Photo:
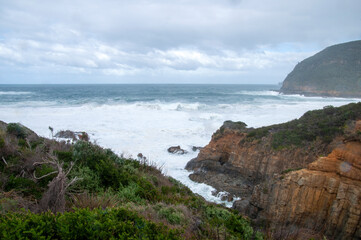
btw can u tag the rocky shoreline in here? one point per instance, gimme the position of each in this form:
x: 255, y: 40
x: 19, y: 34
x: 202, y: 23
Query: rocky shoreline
x: 302, y: 189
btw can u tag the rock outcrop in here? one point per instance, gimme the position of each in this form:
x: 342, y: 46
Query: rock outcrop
x: 300, y: 191
x: 335, y: 71
x: 176, y: 150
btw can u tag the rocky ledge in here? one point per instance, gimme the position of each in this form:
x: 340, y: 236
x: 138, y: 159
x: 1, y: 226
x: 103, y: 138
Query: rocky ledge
x: 292, y: 183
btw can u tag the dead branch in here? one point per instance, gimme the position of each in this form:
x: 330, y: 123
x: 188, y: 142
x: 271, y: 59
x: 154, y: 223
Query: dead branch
x: 27, y: 141
x: 54, y: 198
x: 71, y: 166
x: 4, y: 161
x: 75, y: 179
x: 45, y: 162
x: 48, y: 174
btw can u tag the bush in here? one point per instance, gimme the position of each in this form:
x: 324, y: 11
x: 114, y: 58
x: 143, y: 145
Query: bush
x: 130, y: 193
x: 258, y: 133
x: 170, y: 214
x: 89, y: 180
x: 235, y: 224
x: 42, y: 170
x: 82, y: 224
x: 2, y: 142
x: 17, y: 130
x: 65, y: 156
x: 322, y: 124
x: 23, y: 185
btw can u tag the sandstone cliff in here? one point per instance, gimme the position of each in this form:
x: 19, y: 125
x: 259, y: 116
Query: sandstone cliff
x: 295, y: 189
x: 335, y: 71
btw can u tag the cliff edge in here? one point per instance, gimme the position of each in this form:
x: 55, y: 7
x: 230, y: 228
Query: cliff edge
x: 299, y: 179
x: 335, y: 71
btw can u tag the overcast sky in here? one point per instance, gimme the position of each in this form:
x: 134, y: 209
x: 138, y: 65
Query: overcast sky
x: 162, y: 41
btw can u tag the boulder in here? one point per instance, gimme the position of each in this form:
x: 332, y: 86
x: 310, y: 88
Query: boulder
x: 177, y: 150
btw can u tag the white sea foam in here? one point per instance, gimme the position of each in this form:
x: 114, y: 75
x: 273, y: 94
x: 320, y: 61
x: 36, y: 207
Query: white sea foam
x: 152, y: 127
x: 259, y: 93
x: 14, y: 93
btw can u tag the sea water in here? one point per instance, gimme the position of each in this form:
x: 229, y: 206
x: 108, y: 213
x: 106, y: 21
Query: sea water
x: 148, y: 119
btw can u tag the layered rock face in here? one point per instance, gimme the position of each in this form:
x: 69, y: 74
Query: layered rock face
x: 325, y: 197
x: 300, y: 192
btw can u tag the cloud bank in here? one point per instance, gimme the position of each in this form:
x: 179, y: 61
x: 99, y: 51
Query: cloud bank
x: 167, y: 41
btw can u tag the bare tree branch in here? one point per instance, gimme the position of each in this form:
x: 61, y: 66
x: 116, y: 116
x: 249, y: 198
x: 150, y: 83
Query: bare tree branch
x: 71, y: 166
x: 27, y: 141
x: 4, y: 161
x: 48, y: 174
x: 45, y: 162
x: 75, y: 179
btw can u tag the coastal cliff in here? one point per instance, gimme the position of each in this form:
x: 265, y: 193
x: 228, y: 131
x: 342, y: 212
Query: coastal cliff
x: 335, y: 71
x: 300, y: 179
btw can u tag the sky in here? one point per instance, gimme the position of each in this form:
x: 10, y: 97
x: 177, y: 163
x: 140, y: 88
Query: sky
x: 162, y: 41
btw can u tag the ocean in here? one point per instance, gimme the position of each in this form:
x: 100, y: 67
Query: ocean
x: 148, y: 119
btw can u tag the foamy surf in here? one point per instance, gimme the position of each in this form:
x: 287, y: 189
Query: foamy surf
x: 151, y: 127
x: 14, y: 93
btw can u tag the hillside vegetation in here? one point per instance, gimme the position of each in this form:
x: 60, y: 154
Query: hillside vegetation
x: 322, y: 124
x: 57, y: 190
x: 335, y: 71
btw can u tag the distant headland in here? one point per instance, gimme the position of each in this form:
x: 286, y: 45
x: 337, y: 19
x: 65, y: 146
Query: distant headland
x: 333, y: 72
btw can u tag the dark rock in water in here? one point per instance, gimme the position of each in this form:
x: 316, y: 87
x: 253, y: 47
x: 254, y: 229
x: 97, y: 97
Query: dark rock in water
x: 225, y: 196
x: 194, y: 148
x: 177, y: 150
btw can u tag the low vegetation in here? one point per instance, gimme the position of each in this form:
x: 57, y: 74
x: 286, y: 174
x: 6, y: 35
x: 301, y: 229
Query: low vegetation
x: 321, y: 125
x: 58, y: 190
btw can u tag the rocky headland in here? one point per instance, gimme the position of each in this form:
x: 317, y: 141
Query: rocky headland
x: 300, y: 179
x: 335, y: 71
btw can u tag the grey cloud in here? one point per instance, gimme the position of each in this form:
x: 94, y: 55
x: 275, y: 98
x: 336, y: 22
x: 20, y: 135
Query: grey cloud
x: 138, y: 37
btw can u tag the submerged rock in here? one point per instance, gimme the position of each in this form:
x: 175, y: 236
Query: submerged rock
x: 194, y: 148
x: 177, y: 150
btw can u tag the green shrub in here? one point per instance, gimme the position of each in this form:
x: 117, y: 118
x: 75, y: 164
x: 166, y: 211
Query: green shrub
x: 17, y: 130
x: 65, y: 156
x: 240, y: 227
x: 216, y: 215
x: 233, y: 223
x: 172, y: 215
x: 258, y: 133
x: 322, y: 124
x: 83, y: 224
x: 130, y: 193
x: 89, y: 180
x: 23, y: 185
x: 2, y: 142
x: 42, y: 170
x: 22, y: 143
x: 146, y: 190
x: 7, y: 204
